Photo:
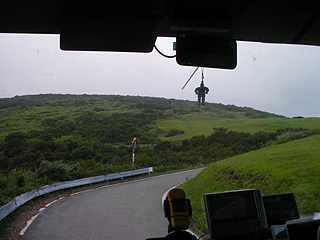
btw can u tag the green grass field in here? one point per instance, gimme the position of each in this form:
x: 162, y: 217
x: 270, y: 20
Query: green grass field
x: 290, y: 167
x: 202, y: 124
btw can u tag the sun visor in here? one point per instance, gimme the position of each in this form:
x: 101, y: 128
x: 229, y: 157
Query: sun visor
x: 101, y: 33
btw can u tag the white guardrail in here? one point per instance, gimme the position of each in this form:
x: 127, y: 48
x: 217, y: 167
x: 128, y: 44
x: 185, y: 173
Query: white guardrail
x: 25, y: 197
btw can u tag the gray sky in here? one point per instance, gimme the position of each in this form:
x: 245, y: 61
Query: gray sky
x: 281, y: 79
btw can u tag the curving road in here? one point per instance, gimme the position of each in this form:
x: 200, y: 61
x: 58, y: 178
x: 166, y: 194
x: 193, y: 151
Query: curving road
x: 130, y: 210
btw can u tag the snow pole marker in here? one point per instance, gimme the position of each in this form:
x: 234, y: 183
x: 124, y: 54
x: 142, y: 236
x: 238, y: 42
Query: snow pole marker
x: 132, y: 157
x: 135, y: 142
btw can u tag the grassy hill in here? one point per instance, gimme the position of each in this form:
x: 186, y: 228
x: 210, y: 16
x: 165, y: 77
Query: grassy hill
x: 203, y: 123
x: 154, y: 116
x: 51, y: 138
x: 289, y: 167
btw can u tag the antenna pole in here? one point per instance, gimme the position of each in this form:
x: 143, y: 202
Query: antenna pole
x: 190, y: 78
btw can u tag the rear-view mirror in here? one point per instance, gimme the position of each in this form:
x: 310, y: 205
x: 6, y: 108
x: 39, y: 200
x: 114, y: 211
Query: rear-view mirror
x: 206, y: 51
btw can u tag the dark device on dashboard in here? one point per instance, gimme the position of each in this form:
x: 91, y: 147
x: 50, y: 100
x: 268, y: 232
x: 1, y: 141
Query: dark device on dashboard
x: 280, y: 208
x: 279, y: 232
x: 235, y: 213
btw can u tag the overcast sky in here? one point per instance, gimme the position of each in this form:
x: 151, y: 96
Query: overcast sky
x: 281, y: 79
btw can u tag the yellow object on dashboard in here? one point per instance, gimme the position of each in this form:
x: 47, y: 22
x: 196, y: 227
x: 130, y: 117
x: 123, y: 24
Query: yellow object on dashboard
x: 178, y: 209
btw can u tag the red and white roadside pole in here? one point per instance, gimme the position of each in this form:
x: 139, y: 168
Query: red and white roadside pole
x: 132, y: 157
x: 135, y: 142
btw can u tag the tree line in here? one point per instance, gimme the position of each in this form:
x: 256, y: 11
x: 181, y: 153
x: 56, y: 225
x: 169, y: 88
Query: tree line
x: 67, y: 137
x: 33, y: 159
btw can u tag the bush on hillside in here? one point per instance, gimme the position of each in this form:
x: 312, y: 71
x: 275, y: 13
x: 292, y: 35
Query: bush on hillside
x: 290, y: 136
x: 174, y: 132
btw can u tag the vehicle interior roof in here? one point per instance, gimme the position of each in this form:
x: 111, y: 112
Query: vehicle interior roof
x: 269, y: 21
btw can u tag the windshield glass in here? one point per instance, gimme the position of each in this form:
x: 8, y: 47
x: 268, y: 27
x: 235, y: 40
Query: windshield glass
x: 66, y: 116
x: 281, y: 79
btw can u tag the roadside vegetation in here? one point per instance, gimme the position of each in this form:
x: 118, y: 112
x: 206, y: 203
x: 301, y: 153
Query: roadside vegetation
x: 283, y: 168
x: 51, y: 138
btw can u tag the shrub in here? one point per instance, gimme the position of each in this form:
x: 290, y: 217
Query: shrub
x: 54, y: 171
x: 174, y: 132
x: 289, y: 136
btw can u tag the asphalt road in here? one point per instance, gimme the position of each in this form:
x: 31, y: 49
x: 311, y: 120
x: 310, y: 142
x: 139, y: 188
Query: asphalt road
x: 130, y: 210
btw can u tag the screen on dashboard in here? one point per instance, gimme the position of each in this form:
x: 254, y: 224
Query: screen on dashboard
x: 233, y: 213
x: 232, y: 208
x: 280, y: 207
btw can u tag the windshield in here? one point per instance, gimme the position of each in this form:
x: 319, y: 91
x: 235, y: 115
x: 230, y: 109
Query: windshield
x: 281, y: 79
x: 71, y: 115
